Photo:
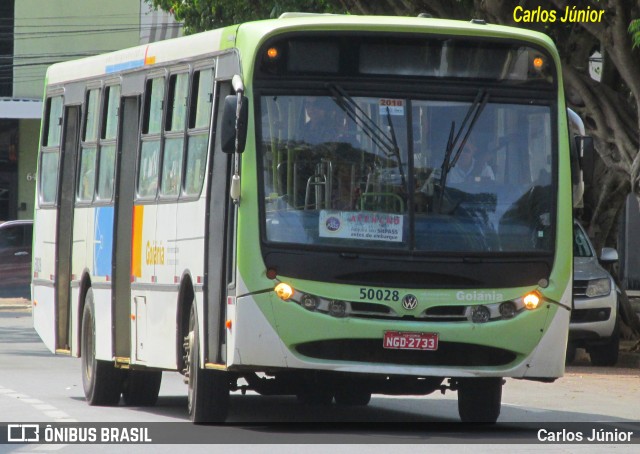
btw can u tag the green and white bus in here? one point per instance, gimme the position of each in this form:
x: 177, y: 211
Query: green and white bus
x: 323, y: 206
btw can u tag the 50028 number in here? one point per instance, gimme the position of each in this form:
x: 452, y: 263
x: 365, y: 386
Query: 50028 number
x: 380, y: 295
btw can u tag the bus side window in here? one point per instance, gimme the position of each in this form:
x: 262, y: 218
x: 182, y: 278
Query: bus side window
x: 48, y: 171
x: 148, y: 170
x: 53, y: 122
x: 198, y: 133
x: 107, y: 155
x: 87, y: 174
x: 174, y: 135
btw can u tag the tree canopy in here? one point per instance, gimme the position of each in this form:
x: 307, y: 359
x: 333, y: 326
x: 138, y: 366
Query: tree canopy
x: 201, y: 15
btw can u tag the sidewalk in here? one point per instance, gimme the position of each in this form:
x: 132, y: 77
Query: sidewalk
x: 14, y: 303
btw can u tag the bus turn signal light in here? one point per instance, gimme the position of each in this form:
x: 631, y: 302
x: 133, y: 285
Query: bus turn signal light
x: 273, y: 53
x: 538, y: 63
x: 531, y: 300
x: 284, y: 291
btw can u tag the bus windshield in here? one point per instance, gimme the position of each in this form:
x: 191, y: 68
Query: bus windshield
x: 388, y: 172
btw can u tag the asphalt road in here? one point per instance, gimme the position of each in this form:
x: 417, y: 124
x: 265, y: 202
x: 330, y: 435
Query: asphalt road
x: 36, y: 386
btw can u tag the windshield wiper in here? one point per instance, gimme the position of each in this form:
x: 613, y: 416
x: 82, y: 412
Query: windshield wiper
x: 389, y: 145
x: 474, y: 111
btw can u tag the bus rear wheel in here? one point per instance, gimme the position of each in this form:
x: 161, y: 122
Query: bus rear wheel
x: 101, y: 381
x: 479, y: 399
x: 141, y: 387
x: 208, y: 390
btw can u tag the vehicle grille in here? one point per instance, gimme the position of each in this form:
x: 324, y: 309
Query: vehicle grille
x: 590, y: 315
x: 372, y: 351
x: 432, y: 314
x: 580, y: 288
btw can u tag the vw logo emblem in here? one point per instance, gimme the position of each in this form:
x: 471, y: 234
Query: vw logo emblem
x: 409, y: 302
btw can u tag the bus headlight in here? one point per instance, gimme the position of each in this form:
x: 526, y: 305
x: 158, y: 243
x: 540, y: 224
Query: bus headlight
x: 503, y: 310
x: 598, y: 287
x: 508, y: 310
x: 309, y: 302
x: 337, y: 308
x: 480, y: 314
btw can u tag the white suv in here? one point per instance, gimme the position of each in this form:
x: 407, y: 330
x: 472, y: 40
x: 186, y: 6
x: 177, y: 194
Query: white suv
x: 594, y: 319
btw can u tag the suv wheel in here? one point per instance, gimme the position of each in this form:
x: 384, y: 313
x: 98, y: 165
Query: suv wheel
x: 606, y: 355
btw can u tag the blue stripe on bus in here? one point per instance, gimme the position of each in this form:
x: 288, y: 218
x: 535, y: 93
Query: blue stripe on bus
x: 103, y: 244
x: 124, y: 66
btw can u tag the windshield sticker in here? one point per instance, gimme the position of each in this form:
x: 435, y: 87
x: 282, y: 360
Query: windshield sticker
x: 392, y: 106
x: 361, y: 226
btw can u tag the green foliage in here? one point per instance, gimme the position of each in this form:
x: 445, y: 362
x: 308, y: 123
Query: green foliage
x: 200, y: 15
x: 634, y: 30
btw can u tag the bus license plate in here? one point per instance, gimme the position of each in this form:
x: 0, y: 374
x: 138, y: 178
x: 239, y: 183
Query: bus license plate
x: 410, y: 341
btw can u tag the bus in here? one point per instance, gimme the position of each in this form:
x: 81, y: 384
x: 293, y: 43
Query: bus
x: 321, y: 206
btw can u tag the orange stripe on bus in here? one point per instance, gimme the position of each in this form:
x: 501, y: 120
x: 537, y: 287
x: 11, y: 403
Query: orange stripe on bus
x: 136, y: 241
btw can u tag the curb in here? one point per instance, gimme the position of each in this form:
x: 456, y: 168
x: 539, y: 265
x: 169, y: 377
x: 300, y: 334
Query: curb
x: 14, y: 303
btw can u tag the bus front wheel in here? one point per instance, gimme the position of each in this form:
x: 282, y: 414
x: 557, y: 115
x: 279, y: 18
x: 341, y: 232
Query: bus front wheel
x: 101, y: 381
x: 208, y: 390
x: 479, y: 399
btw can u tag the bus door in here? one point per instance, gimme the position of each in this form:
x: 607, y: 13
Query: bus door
x: 64, y: 229
x: 219, y: 241
x: 123, y: 220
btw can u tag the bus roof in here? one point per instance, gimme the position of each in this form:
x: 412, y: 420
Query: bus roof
x: 187, y: 47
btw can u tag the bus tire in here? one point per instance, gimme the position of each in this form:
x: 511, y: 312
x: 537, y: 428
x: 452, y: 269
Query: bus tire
x: 208, y: 390
x: 101, y: 381
x: 571, y: 353
x: 479, y: 399
x: 141, y: 387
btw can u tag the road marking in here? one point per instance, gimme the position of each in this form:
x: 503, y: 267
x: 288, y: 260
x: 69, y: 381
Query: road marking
x: 48, y: 410
x: 33, y: 401
x: 40, y: 448
x: 44, y: 407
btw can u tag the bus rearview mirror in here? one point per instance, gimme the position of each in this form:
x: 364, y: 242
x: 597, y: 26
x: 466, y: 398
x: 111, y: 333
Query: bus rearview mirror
x: 228, y: 124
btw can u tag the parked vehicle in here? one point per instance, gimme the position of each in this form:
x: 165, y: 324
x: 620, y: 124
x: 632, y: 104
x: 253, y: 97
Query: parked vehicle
x: 594, y: 319
x: 15, y: 258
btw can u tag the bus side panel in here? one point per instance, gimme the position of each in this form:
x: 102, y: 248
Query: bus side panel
x: 78, y: 265
x: 144, y: 255
x: 154, y: 295
x: 548, y: 359
x: 80, y: 244
x: 143, y: 272
x: 44, y: 260
x: 102, y: 302
x: 252, y: 339
x: 165, y: 244
x: 155, y: 328
x: 44, y: 314
x: 75, y: 320
x: 189, y: 254
x: 190, y: 245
